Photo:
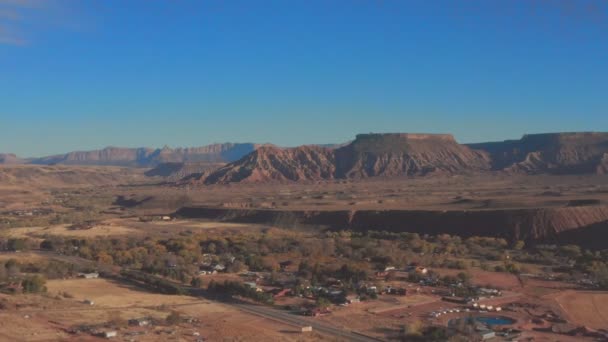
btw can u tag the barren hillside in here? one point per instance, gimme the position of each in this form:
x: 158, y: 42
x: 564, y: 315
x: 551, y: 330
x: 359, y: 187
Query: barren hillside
x: 275, y: 164
x: 555, y: 153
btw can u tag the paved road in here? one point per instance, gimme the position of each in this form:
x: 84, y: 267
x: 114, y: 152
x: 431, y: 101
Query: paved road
x: 258, y: 310
x: 285, y: 317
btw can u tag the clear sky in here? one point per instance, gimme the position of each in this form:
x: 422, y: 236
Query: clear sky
x: 78, y: 75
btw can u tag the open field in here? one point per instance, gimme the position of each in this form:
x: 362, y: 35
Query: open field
x: 48, y: 318
x: 64, y: 230
x: 585, y: 308
x: 114, y: 295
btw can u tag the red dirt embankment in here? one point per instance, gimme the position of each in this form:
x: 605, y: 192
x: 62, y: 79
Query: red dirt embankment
x: 585, y: 225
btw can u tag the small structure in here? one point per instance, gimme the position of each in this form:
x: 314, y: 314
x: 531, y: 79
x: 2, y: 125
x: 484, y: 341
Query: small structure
x: 353, y: 299
x: 307, y: 328
x: 421, y: 270
x: 486, y: 334
x: 166, y: 218
x: 253, y: 285
x: 318, y: 312
x: 280, y: 293
x: 140, y: 322
x: 396, y: 291
x: 219, y: 267
x: 109, y: 334
x: 91, y: 275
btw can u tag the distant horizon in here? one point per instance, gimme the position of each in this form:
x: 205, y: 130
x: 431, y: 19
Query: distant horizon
x: 283, y: 146
x: 80, y: 75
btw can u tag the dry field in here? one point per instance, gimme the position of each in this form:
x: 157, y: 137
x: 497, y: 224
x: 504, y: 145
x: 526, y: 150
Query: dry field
x: 63, y: 230
x: 503, y: 280
x: 46, y: 318
x: 107, y: 293
x: 21, y: 257
x: 585, y: 308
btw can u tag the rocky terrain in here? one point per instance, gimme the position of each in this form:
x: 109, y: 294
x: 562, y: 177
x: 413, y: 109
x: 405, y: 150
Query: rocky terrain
x: 369, y: 155
x: 393, y: 155
x: 553, y: 153
x: 271, y: 163
x: 390, y: 155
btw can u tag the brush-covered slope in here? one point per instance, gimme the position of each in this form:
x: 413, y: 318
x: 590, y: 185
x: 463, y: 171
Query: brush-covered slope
x: 553, y: 153
x: 269, y: 163
x: 390, y: 155
x: 148, y: 157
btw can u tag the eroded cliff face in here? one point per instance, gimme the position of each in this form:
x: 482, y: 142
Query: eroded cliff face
x: 270, y: 163
x: 369, y: 155
x: 554, y: 225
x: 553, y: 153
x: 389, y: 155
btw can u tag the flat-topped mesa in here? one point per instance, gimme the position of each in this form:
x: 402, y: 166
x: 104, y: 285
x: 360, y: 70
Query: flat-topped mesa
x: 556, y: 153
x: 407, y: 136
x: 575, y: 138
x: 406, y: 154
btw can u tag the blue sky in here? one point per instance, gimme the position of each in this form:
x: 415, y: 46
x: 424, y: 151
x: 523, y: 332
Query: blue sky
x: 88, y: 74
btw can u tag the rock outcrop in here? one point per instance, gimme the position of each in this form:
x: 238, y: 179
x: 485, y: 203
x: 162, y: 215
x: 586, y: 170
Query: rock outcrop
x: 389, y: 155
x: 271, y: 163
x: 552, y: 153
x: 369, y: 155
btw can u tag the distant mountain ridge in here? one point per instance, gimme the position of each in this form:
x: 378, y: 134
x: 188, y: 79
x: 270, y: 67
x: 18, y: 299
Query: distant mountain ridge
x: 9, y: 158
x: 149, y: 157
x: 368, y: 155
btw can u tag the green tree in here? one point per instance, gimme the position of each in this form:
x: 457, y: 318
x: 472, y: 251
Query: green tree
x: 34, y: 284
x: 196, y: 282
x: 322, y: 303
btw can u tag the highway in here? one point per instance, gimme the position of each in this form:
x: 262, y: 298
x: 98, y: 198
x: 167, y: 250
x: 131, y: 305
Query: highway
x: 290, y: 319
